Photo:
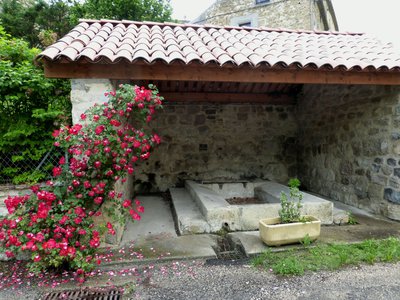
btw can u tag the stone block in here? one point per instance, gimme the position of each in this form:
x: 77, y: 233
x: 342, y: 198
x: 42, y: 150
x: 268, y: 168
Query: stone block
x: 217, y: 212
x: 393, y: 211
x: 346, y: 168
x: 375, y: 190
x: 394, y: 182
x: 250, y: 215
x: 396, y: 147
x: 340, y: 216
x: 189, y: 218
x: 379, y: 179
x: 361, y: 186
x: 395, y: 136
x: 387, y: 170
x: 392, y: 195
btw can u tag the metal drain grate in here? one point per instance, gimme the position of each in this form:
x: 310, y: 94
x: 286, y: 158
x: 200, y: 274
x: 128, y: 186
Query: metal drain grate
x: 85, y: 294
x: 226, y: 249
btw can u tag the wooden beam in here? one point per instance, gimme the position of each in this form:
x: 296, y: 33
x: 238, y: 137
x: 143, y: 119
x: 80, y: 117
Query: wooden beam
x: 179, y: 72
x: 279, y: 99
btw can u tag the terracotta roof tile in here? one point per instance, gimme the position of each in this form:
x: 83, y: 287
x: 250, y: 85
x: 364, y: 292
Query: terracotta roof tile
x: 89, y: 53
x: 112, y: 41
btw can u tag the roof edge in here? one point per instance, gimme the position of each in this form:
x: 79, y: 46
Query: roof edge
x: 208, y: 26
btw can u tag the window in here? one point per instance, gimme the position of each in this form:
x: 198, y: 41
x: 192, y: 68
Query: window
x: 262, y: 1
x: 247, y: 24
x: 249, y: 21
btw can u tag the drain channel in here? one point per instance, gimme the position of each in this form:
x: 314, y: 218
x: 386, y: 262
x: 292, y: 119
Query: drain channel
x: 85, y: 294
x: 226, y: 249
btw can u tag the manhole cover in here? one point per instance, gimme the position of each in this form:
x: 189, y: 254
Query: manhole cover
x: 85, y: 294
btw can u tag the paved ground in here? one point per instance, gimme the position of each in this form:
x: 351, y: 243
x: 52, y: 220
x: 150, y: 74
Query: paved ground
x: 157, y: 230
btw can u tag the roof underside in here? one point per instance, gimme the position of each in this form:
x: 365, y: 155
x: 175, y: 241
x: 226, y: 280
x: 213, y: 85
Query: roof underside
x: 121, y: 49
x: 238, y: 92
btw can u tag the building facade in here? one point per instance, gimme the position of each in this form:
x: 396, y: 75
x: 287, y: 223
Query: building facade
x: 294, y: 14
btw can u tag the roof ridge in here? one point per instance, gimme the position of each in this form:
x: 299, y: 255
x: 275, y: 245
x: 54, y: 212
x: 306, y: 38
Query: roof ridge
x: 209, y: 26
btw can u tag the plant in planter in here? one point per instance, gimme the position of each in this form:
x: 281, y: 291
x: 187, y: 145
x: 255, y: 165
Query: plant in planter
x: 290, y: 227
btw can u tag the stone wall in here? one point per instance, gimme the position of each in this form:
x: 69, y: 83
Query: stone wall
x: 87, y: 92
x: 295, y: 14
x: 350, y: 145
x: 208, y: 141
x: 221, y: 142
x: 11, y: 190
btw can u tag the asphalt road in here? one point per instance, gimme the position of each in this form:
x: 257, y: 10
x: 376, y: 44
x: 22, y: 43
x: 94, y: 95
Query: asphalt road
x: 381, y: 281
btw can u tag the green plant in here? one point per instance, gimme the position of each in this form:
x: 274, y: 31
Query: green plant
x: 352, y: 219
x: 288, y: 266
x: 290, y: 207
x: 306, y: 241
x: 329, y: 257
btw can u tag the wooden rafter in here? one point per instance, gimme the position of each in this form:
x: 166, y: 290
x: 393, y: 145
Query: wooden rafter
x: 229, y: 98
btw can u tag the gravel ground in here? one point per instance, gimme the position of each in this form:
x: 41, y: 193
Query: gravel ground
x: 242, y: 282
x: 199, y: 280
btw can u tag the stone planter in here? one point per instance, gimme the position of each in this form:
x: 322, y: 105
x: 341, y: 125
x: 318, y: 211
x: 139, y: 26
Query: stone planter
x: 273, y: 233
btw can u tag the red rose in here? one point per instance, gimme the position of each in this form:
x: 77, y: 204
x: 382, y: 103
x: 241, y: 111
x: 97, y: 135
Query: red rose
x: 127, y: 203
x: 99, y: 129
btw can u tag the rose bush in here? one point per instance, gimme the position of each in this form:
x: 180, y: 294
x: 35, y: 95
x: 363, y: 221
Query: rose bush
x: 56, y: 223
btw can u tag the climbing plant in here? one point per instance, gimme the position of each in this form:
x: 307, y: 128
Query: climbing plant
x: 56, y: 223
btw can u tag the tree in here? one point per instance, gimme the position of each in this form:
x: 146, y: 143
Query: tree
x: 135, y: 10
x: 36, y: 20
x: 31, y: 106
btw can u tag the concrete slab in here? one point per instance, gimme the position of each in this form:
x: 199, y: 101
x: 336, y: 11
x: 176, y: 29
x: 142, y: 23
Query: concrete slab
x: 312, y: 205
x: 189, y: 218
x: 156, y: 220
x: 250, y: 240
x: 193, y: 246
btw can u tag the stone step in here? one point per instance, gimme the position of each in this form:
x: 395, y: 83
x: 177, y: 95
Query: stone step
x: 189, y: 217
x: 270, y: 192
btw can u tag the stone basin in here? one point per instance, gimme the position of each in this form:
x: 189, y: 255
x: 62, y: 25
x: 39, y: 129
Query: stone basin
x: 218, y: 213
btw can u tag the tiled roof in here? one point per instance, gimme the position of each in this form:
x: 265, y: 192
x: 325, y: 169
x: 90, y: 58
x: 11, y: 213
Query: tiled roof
x: 109, y: 41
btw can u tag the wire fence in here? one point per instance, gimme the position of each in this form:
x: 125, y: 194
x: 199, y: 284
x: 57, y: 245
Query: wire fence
x: 17, y: 170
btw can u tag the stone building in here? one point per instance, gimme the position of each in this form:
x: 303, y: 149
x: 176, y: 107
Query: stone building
x: 295, y: 14
x: 245, y: 103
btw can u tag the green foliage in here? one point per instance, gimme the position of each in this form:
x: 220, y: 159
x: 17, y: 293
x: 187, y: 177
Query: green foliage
x: 31, y: 104
x: 290, y: 207
x: 37, y: 20
x: 137, y: 10
x: 329, y: 257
